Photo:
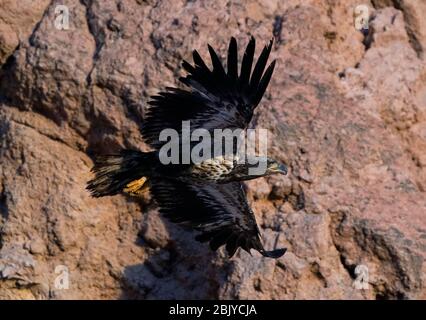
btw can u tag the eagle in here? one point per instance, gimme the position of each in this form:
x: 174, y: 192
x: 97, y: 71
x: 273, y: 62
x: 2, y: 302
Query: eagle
x: 208, y: 196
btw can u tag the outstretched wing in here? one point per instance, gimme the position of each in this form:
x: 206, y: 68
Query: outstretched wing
x: 216, y: 99
x: 219, y: 211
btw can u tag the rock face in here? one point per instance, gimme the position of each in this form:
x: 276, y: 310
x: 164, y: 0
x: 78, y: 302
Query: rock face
x: 345, y: 111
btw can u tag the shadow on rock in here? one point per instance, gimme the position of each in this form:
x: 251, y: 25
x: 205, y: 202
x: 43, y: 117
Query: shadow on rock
x: 176, y: 267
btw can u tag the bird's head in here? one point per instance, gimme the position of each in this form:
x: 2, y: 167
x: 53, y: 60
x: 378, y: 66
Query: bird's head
x: 273, y: 166
x: 263, y: 166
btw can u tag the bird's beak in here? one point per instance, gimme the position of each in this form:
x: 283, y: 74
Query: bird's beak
x: 279, y: 168
x: 282, y: 169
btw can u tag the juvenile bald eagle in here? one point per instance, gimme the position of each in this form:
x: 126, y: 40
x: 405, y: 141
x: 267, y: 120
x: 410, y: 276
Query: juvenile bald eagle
x: 208, y: 196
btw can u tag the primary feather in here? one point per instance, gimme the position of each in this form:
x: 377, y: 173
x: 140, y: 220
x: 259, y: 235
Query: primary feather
x: 215, y: 99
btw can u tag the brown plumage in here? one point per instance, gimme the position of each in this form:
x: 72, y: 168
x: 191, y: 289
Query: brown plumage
x: 209, y: 195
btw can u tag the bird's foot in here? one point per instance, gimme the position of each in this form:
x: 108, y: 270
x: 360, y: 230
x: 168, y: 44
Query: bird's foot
x: 137, y: 187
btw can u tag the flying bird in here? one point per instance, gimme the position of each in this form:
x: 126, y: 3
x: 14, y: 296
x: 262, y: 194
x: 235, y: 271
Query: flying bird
x: 207, y: 195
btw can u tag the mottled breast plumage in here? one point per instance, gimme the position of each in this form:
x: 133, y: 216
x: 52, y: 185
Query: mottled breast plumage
x: 215, y: 169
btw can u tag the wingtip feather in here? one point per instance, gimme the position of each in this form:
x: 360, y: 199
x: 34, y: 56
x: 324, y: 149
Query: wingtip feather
x: 233, y: 59
x: 274, y: 254
x: 217, y: 65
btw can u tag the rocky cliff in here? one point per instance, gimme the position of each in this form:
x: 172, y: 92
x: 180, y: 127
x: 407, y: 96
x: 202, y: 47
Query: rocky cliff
x: 345, y: 110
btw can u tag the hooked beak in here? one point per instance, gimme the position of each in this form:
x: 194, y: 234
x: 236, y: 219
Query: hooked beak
x: 279, y: 168
x: 282, y: 169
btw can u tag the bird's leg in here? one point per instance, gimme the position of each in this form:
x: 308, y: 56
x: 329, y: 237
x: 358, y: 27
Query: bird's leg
x: 137, y: 187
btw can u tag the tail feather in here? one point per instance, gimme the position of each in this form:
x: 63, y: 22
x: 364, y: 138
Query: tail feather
x: 114, y: 172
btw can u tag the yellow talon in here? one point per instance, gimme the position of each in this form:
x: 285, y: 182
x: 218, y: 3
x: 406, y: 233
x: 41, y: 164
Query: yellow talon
x: 136, y: 187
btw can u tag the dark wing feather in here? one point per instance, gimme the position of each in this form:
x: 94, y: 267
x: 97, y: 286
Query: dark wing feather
x: 264, y: 83
x: 219, y: 211
x: 260, y: 67
x: 216, y: 99
x: 199, y: 61
x: 233, y: 60
x: 247, y: 63
x: 217, y: 65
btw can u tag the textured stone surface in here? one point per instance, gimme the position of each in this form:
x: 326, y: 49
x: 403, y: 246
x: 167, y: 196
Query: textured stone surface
x: 18, y: 20
x: 346, y: 112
